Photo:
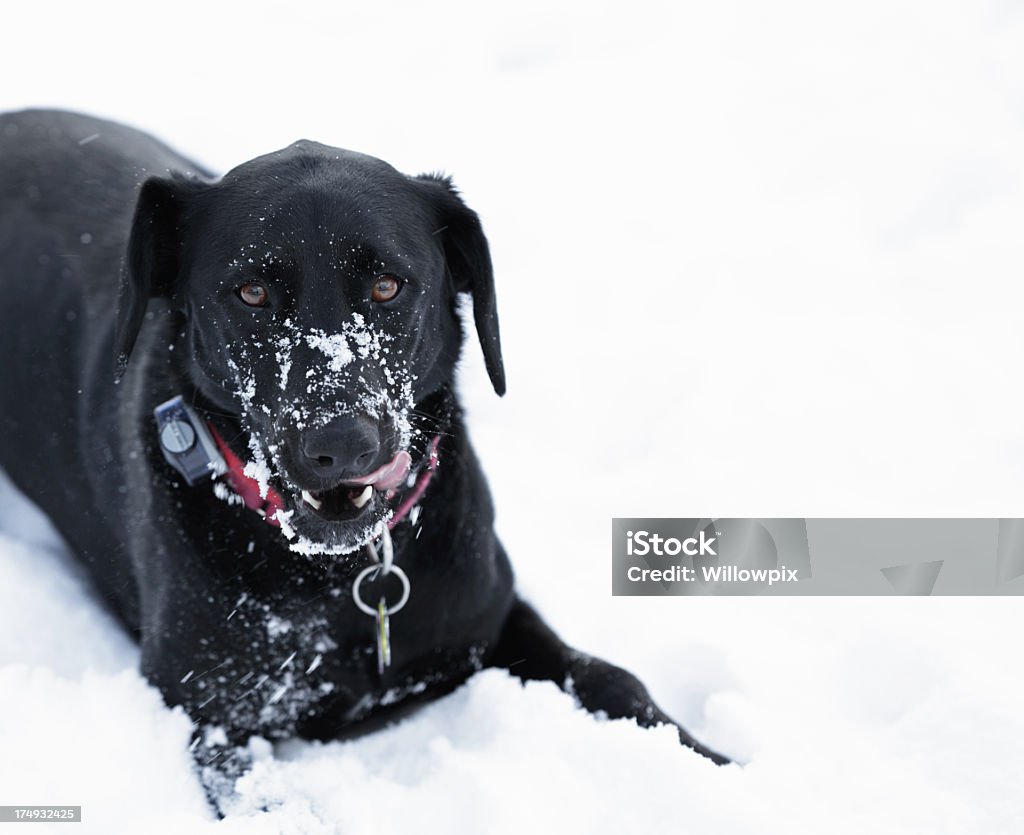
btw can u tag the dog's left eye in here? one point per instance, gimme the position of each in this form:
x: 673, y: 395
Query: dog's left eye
x: 254, y: 294
x: 385, y: 288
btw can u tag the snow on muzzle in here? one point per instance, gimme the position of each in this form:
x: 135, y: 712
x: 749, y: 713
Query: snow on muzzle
x: 342, y: 453
x: 339, y: 405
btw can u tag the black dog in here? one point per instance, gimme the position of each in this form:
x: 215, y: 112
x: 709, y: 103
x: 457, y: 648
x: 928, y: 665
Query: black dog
x: 304, y: 309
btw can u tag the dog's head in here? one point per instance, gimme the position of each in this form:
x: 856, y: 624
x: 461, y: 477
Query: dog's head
x: 319, y: 293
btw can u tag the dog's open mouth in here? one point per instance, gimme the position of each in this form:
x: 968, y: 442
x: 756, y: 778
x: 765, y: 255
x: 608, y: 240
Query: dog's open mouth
x: 349, y: 499
x: 339, y: 504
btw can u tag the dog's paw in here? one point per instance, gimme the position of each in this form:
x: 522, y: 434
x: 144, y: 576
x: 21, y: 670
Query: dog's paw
x: 603, y: 688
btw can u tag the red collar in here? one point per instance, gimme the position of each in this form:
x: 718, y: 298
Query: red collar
x: 269, y: 506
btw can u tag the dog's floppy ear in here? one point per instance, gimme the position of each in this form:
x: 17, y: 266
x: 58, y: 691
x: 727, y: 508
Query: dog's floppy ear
x: 151, y: 262
x: 469, y: 262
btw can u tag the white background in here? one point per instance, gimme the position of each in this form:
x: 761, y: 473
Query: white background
x: 752, y: 260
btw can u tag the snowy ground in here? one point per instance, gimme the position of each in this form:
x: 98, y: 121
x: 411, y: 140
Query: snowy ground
x: 752, y: 260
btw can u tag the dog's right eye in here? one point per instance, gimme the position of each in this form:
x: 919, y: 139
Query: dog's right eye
x: 254, y: 294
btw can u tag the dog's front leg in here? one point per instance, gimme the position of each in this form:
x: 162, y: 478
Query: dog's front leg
x: 529, y: 649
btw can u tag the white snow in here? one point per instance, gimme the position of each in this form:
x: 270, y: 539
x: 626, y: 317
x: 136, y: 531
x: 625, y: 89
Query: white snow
x: 334, y: 346
x: 752, y: 260
x: 223, y: 492
x: 258, y: 470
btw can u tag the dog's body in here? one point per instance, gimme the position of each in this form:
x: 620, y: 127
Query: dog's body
x: 112, y: 245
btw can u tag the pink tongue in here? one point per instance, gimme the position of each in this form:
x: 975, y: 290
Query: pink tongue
x: 390, y: 475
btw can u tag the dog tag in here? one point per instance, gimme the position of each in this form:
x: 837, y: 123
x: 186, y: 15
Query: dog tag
x: 382, y: 612
x: 383, y: 637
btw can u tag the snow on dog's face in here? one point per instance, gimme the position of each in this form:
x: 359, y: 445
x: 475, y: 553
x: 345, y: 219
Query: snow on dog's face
x: 335, y: 435
x: 318, y: 289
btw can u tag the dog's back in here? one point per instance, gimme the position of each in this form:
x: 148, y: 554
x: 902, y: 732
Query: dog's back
x: 67, y: 189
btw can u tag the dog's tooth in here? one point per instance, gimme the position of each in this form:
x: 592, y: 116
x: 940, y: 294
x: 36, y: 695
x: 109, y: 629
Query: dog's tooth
x: 363, y: 497
x: 307, y: 497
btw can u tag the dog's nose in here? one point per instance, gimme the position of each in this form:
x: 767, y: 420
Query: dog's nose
x: 347, y: 447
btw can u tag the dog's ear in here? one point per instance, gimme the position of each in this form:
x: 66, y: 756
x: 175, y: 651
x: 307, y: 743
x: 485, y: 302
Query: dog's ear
x: 469, y: 262
x: 151, y: 262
